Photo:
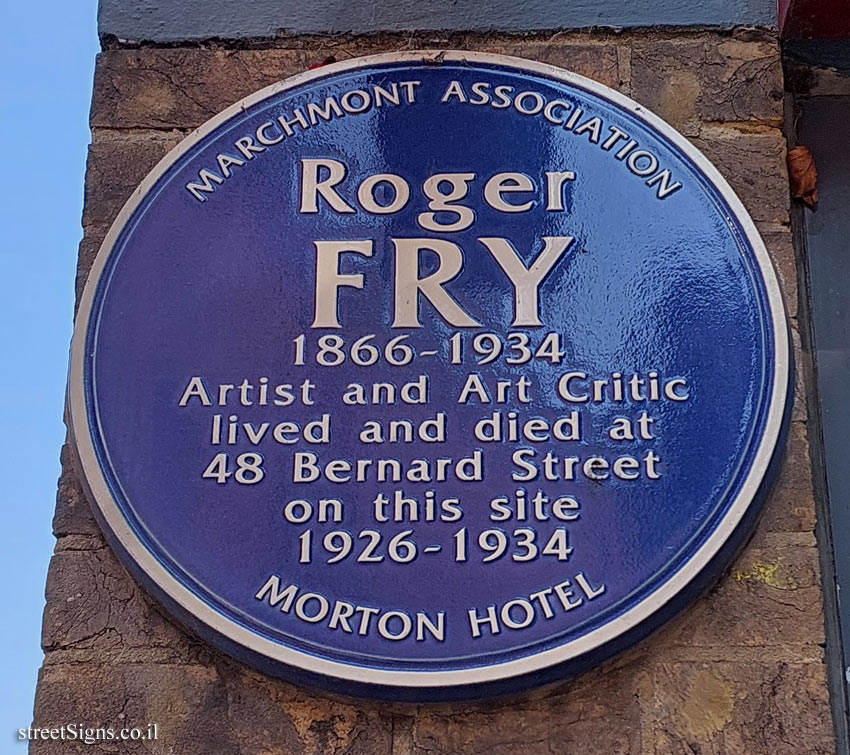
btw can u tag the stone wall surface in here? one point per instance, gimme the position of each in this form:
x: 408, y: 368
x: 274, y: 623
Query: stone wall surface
x: 740, y: 672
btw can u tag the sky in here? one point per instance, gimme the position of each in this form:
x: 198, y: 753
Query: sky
x: 46, y: 69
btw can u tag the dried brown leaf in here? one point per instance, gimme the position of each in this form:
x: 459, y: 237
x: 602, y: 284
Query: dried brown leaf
x: 803, y: 176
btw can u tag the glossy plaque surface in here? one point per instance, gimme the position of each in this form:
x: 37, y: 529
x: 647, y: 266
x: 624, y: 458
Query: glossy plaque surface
x: 430, y: 375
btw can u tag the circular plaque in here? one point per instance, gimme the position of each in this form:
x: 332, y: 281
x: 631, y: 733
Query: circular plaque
x: 430, y: 375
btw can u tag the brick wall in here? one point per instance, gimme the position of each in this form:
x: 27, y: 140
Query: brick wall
x: 740, y: 672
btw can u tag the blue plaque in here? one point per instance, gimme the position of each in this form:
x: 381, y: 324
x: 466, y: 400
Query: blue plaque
x: 430, y: 375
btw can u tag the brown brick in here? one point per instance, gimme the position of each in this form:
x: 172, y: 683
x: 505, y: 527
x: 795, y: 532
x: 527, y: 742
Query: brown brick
x: 598, y: 715
x: 189, y: 703
x: 93, y: 604
x: 117, y: 163
x: 770, y: 597
x: 204, y: 709
x: 752, y: 708
x: 182, y: 88
x: 708, y: 78
x: 791, y: 504
x: 73, y: 515
x: 754, y: 165
x: 595, y: 61
x: 781, y: 250
x: 268, y: 716
x: 89, y: 247
x: 800, y: 411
